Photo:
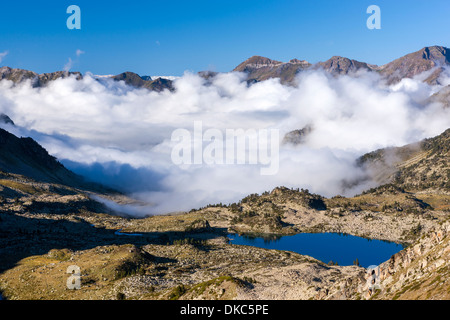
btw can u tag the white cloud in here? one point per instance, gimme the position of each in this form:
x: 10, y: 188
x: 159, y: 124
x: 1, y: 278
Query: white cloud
x: 121, y: 136
x: 70, y: 63
x: 3, y: 55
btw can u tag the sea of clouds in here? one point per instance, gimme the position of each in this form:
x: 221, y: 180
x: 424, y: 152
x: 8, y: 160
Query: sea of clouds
x: 121, y: 136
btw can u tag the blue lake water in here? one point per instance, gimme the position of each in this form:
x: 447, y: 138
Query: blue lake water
x: 326, y: 247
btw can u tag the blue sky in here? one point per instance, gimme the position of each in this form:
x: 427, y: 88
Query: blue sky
x: 169, y: 37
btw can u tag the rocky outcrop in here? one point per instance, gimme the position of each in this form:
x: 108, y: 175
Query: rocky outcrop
x: 297, y: 137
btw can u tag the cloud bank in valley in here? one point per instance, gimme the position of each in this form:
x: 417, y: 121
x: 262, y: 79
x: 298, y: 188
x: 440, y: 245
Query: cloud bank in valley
x: 120, y: 136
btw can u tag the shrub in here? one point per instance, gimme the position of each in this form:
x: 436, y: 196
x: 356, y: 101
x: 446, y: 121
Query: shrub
x: 177, y: 292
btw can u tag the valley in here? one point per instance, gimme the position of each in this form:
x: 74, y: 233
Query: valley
x: 46, y: 227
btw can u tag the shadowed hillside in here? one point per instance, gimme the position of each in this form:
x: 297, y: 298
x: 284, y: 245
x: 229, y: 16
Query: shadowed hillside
x: 415, y: 167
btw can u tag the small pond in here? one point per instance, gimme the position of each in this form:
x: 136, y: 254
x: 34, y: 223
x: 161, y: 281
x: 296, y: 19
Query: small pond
x: 326, y: 247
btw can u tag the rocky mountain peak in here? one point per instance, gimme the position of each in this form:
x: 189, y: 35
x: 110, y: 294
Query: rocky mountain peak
x: 260, y: 68
x: 437, y: 54
x: 413, y: 64
x: 297, y: 61
x: 338, y: 65
x: 146, y: 78
x: 133, y: 79
x: 257, y: 62
x: 5, y: 119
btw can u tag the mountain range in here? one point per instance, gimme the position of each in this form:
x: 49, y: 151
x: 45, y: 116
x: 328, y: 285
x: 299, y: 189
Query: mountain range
x: 260, y: 68
x: 37, y: 80
x: 431, y: 59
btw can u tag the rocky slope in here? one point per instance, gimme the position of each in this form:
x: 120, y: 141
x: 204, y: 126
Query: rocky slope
x: 26, y: 157
x: 442, y: 97
x: 420, y: 272
x: 418, y: 167
x: 413, y: 64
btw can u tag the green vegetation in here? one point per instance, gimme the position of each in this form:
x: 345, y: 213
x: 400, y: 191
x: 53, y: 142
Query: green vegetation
x: 177, y: 292
x: 61, y: 255
x: 136, y: 263
x: 23, y: 187
x: 190, y: 241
